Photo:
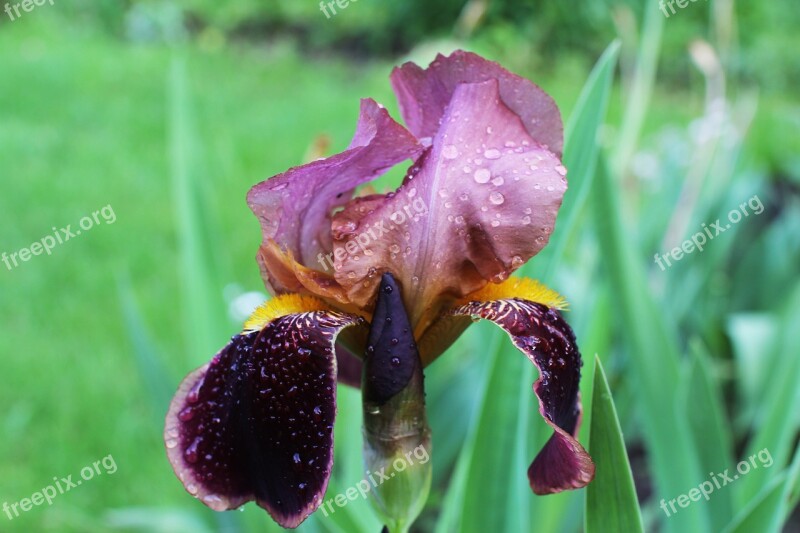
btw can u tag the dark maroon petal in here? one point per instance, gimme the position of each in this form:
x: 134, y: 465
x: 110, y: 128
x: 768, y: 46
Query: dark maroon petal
x: 543, y: 335
x: 349, y: 367
x: 478, y: 204
x: 257, y: 422
x: 295, y: 207
x: 424, y: 94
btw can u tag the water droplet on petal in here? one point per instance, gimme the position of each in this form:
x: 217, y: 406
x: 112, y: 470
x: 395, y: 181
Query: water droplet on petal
x: 561, y: 170
x: 495, y: 223
x: 498, y: 181
x: 482, y: 175
x: 191, y: 452
x: 496, y: 198
x: 214, y: 501
x: 492, y: 154
x: 449, y: 152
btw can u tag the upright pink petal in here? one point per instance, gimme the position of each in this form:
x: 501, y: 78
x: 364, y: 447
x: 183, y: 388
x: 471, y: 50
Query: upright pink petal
x: 477, y: 205
x: 424, y: 95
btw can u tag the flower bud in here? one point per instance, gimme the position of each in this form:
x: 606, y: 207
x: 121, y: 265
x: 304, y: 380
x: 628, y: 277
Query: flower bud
x: 396, y: 434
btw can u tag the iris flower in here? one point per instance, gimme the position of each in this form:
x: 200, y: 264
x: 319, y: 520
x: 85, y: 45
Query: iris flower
x: 370, y: 289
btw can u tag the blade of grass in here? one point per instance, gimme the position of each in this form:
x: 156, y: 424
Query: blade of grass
x: 155, y: 377
x: 641, y: 87
x: 205, y: 322
x: 611, y: 503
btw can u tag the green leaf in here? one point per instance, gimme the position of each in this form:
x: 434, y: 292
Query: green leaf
x: 496, y: 453
x: 778, y: 421
x: 703, y: 408
x: 611, y: 503
x: 771, y: 507
x: 655, y: 359
x: 206, y: 325
x: 580, y: 155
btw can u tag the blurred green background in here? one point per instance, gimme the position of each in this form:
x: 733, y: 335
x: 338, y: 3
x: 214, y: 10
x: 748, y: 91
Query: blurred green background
x: 170, y: 112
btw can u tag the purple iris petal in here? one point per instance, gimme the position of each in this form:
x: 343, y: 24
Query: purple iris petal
x: 295, y: 207
x: 424, y: 95
x: 478, y: 204
x: 547, y: 340
x: 257, y: 422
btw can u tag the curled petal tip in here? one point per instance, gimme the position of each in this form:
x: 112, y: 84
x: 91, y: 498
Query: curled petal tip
x: 542, y: 334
